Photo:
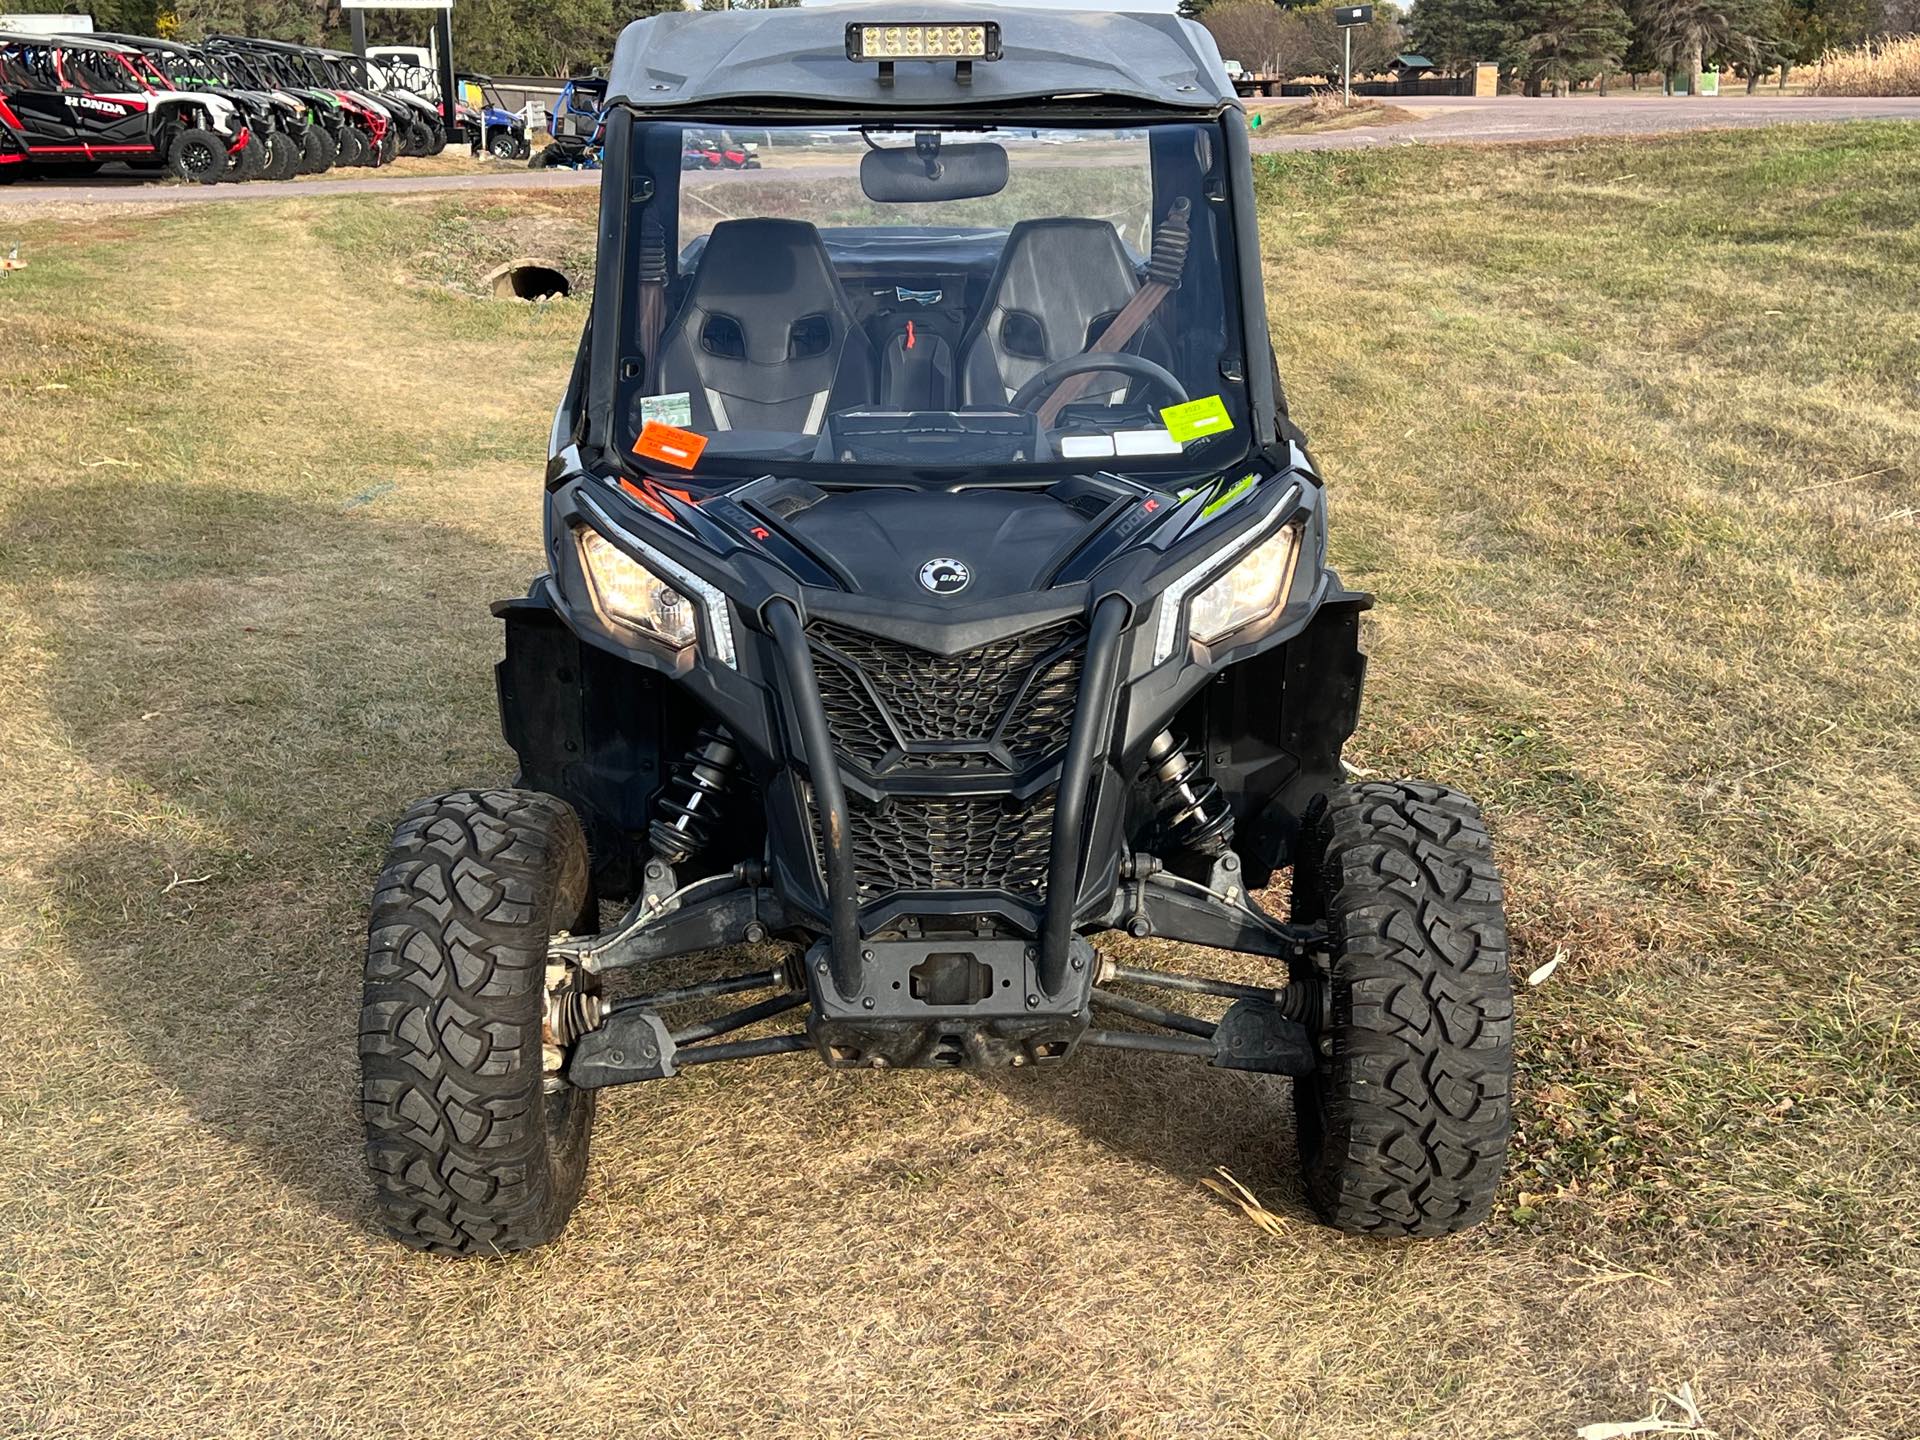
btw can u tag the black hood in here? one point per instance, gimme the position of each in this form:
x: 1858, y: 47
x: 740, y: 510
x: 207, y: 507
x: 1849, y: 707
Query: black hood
x: 879, y: 541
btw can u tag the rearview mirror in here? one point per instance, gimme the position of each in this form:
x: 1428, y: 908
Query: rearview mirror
x: 932, y: 171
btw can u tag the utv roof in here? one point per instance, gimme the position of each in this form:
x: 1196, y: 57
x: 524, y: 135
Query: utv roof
x: 248, y: 42
x: 142, y: 43
x: 796, y: 59
x: 57, y: 41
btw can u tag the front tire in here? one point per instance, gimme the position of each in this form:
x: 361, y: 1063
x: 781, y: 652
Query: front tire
x: 470, y: 1153
x: 197, y: 155
x: 283, y: 156
x: 1403, y: 1128
x: 251, y: 161
x: 317, y: 150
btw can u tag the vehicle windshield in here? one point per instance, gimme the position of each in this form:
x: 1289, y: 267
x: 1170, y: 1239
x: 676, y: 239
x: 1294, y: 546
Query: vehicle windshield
x: 928, y: 302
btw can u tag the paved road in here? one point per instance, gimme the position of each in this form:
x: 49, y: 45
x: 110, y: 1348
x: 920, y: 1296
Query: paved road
x: 1457, y: 119
x: 1443, y: 120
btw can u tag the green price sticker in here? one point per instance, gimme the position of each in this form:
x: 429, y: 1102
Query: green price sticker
x: 1196, y: 418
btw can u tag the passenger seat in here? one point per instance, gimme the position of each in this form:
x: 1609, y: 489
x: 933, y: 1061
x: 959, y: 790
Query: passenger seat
x: 765, y: 339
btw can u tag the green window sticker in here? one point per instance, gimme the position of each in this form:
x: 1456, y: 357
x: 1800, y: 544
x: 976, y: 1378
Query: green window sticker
x: 1196, y: 418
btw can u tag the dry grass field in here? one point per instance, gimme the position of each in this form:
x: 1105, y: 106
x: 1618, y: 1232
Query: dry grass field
x: 1890, y: 66
x: 1625, y: 436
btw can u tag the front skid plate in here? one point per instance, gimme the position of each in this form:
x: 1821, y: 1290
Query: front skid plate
x: 956, y: 1041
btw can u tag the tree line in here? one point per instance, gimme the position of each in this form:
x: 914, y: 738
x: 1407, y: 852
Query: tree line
x: 1553, y: 45
x: 1538, y: 44
x: 504, y: 37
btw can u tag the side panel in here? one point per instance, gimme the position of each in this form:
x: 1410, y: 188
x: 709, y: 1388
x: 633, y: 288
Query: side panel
x: 589, y: 728
x: 1274, y: 727
x: 44, y: 117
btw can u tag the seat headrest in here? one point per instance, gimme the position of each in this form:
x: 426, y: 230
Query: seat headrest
x: 765, y: 280
x: 1062, y: 273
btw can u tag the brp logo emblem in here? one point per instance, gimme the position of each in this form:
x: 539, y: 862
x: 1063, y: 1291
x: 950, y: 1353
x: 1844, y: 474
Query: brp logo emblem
x: 945, y: 576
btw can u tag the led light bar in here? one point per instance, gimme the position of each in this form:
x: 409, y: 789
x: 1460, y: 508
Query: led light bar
x: 923, y: 42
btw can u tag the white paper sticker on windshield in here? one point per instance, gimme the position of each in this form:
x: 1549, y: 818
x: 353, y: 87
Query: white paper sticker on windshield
x: 1086, y: 447
x: 1144, y: 442
x: 674, y: 409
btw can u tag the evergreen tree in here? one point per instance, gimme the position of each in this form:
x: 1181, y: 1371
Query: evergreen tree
x: 1458, y: 34
x: 1566, y: 41
x: 1640, y: 57
x: 1685, y: 33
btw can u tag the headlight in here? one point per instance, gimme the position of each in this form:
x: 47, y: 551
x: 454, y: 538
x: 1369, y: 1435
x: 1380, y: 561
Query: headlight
x: 1249, y: 591
x: 1253, y: 588
x: 627, y: 593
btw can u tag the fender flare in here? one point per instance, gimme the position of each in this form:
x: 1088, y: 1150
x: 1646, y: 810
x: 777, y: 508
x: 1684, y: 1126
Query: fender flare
x: 171, y: 107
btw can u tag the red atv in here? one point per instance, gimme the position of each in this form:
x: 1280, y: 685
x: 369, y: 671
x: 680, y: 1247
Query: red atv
x: 705, y: 151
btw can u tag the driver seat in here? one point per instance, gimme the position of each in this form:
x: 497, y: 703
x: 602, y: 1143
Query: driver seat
x: 765, y: 339
x: 1058, y: 284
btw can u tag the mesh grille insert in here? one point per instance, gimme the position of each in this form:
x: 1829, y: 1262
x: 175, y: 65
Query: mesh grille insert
x: 926, y: 843
x: 881, y: 695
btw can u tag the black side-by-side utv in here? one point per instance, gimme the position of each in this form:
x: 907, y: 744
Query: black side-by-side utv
x: 934, y: 583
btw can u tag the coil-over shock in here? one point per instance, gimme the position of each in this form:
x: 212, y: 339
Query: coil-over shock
x: 691, y: 801
x: 1193, y: 812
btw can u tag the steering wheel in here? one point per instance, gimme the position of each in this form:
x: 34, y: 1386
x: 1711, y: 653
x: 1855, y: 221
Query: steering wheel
x: 1117, y: 362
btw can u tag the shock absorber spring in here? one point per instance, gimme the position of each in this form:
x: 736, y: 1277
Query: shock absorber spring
x: 1196, y: 815
x: 692, y: 797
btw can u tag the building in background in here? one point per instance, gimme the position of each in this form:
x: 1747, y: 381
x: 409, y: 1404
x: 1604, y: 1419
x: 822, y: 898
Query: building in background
x: 46, y: 24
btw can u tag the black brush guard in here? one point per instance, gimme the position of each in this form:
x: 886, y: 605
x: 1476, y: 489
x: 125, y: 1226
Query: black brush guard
x: 954, y: 998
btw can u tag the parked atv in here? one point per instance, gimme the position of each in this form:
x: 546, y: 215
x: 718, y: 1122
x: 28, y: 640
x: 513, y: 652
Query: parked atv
x: 348, y: 75
x: 705, y: 150
x: 423, y: 85
x: 418, y: 130
x: 935, y: 587
x: 575, y: 126
x: 331, y: 137
x: 320, y: 111
x: 277, y: 121
x: 370, y: 136
x: 74, y: 104
x: 505, y: 132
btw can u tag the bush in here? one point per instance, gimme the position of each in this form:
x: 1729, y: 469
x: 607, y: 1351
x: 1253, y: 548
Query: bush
x: 1879, y: 67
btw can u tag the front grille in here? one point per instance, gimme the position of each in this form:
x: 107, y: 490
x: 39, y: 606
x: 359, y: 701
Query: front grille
x: 889, y: 704
x: 929, y: 843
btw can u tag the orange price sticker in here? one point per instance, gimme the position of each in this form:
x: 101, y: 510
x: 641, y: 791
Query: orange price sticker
x: 669, y: 444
